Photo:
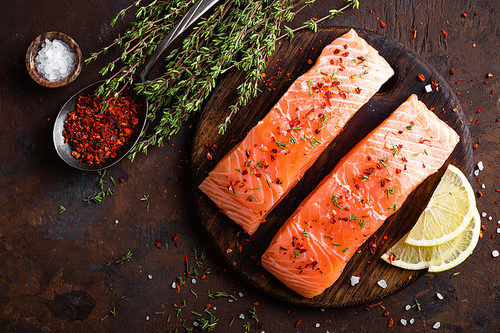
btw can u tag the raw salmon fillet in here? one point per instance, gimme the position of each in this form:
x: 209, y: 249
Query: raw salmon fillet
x: 368, y: 185
x: 255, y: 175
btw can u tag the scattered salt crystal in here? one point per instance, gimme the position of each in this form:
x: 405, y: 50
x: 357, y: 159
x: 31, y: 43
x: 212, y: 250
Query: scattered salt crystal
x: 150, y: 276
x: 196, y: 323
x: 230, y: 300
x: 55, y: 60
x: 476, y: 173
x: 147, y: 317
x: 490, y: 218
x: 323, y: 310
x: 498, y: 222
x: 403, y: 322
x: 214, y: 308
x: 174, y: 285
x: 495, y: 253
x: 317, y: 324
x: 116, y: 221
x: 438, y: 295
x: 483, y: 214
x: 408, y: 307
x: 193, y: 280
x: 382, y: 283
x: 483, y: 186
x: 354, y: 280
x: 498, y: 230
x: 242, y: 316
x: 480, y: 165
x: 436, y: 325
x: 240, y: 294
x: 412, y: 321
x: 428, y: 88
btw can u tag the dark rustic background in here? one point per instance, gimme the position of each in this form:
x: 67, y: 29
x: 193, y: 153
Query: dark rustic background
x: 56, y: 270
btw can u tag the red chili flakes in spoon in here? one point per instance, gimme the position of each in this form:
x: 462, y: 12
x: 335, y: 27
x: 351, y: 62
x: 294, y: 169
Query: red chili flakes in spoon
x: 94, y: 136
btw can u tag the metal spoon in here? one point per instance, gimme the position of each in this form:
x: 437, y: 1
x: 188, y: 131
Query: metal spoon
x: 64, y: 149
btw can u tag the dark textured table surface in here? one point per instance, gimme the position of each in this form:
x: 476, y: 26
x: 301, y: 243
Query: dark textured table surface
x: 57, y: 271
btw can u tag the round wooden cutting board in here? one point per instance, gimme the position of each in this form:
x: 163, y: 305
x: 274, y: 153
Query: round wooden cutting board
x: 242, y: 252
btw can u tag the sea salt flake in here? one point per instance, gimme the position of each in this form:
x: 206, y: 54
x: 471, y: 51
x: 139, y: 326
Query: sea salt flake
x: 230, y: 300
x: 408, y: 307
x: 317, y: 324
x: 242, y: 316
x: 436, y: 325
x: 196, y: 323
x: 498, y: 230
x: 412, y: 321
x: 438, y: 295
x: 55, y: 60
x: 476, y: 173
x: 354, y: 280
x: 490, y: 218
x: 193, y: 280
x: 483, y: 214
x: 147, y: 317
x: 174, y: 285
x: 495, y: 253
x: 323, y: 310
x: 382, y: 283
x: 483, y: 186
x: 403, y: 322
x: 150, y: 276
x: 480, y: 165
x: 428, y: 88
x: 116, y: 221
x: 240, y: 294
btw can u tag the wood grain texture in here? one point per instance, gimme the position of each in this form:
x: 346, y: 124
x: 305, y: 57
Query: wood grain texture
x: 290, y: 60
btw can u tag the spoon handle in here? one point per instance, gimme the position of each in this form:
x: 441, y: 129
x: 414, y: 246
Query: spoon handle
x: 194, y: 13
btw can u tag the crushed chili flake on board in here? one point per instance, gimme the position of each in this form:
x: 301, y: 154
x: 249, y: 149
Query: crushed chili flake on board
x: 413, y: 33
x: 94, y: 136
x: 158, y: 243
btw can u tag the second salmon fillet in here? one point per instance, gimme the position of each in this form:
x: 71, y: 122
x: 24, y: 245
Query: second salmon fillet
x: 255, y: 175
x: 370, y: 183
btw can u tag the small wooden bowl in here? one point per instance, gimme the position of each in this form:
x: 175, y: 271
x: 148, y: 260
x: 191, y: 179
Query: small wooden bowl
x: 36, y: 46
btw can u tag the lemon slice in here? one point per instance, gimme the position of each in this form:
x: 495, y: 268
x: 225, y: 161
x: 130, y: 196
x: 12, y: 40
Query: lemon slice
x: 448, y: 212
x: 437, y: 258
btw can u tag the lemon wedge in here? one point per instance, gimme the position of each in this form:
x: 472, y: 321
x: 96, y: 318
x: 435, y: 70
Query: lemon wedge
x: 448, y: 212
x: 436, y: 258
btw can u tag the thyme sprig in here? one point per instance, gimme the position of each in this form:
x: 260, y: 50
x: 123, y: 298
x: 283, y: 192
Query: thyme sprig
x: 239, y: 34
x: 126, y: 257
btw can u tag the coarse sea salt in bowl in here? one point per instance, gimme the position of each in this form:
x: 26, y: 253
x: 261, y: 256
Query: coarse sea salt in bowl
x: 54, y: 59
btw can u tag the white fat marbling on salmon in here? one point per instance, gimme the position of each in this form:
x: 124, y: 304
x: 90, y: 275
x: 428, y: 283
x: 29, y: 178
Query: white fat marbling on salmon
x: 372, y: 181
x: 282, y: 146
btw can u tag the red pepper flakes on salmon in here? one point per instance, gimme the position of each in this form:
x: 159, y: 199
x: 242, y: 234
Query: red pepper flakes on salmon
x: 296, y: 131
x: 361, y: 202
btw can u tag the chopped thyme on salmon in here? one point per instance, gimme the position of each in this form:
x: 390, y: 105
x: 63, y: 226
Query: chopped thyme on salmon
x: 368, y: 185
x: 277, y: 152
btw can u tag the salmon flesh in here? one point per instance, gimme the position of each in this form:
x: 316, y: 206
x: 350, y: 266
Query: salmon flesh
x: 257, y: 173
x: 368, y: 185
